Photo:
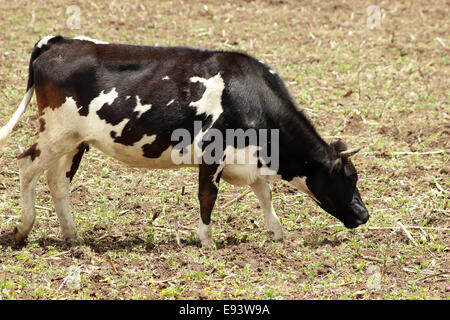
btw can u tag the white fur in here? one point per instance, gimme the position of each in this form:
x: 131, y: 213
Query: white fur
x: 44, y: 41
x: 140, y: 108
x: 219, y: 169
x: 59, y: 185
x: 205, y: 234
x: 240, y: 174
x: 300, y: 183
x: 241, y: 165
x: 91, y: 40
x: 264, y: 194
x: 211, y: 101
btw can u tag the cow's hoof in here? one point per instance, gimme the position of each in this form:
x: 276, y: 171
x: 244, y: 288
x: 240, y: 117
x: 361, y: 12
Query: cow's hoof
x: 19, y: 238
x: 74, y: 240
x: 277, y: 236
x: 208, y: 244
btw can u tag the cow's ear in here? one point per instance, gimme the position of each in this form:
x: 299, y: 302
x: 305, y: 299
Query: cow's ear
x: 338, y: 145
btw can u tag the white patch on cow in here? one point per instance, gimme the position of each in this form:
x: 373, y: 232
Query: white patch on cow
x: 118, y: 128
x: 166, y: 78
x: 170, y: 102
x: 90, y: 128
x: 103, y: 98
x: 127, y: 97
x: 44, y: 41
x: 242, y: 155
x: 146, y: 139
x: 211, y: 101
x: 300, y: 183
x: 268, y: 174
x: 205, y: 234
x: 56, y: 125
x: 90, y: 39
x: 141, y: 108
x: 210, y: 104
x: 240, y: 174
x: 241, y: 165
x: 219, y: 169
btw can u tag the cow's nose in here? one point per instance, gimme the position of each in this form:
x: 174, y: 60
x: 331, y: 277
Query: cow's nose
x: 359, y: 210
x: 363, y: 216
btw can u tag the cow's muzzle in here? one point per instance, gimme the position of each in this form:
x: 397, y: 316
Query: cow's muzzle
x: 359, y: 213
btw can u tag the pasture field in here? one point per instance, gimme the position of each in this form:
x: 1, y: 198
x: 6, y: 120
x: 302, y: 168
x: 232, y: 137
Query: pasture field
x: 380, y: 84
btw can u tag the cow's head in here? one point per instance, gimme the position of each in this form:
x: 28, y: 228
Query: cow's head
x: 333, y: 186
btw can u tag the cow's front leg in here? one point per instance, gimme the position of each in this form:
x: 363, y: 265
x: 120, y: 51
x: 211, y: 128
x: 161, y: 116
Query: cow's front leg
x: 264, y: 194
x: 209, y: 177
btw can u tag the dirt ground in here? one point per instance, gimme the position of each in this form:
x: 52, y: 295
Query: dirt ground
x: 383, y: 88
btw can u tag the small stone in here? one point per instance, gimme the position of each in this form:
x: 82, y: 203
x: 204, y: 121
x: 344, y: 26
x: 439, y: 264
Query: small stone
x: 359, y: 294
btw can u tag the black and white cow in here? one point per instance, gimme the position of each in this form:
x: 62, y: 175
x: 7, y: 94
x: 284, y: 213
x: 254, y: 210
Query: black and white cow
x: 131, y: 103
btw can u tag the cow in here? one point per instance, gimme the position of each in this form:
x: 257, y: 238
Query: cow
x: 137, y: 103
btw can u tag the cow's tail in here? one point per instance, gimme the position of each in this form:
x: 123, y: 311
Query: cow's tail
x: 41, y: 46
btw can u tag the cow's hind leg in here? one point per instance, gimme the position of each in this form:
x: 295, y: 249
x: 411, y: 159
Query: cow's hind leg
x: 43, y: 155
x: 59, y: 176
x: 264, y: 194
x: 29, y: 173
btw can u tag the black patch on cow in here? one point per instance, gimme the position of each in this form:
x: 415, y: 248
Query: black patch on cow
x: 33, y: 152
x: 83, y: 147
x: 41, y: 124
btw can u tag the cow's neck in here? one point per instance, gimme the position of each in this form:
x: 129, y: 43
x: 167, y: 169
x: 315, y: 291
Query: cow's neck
x: 300, y: 146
